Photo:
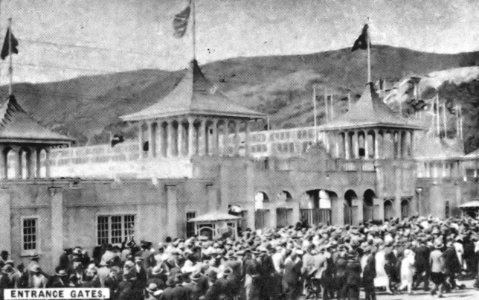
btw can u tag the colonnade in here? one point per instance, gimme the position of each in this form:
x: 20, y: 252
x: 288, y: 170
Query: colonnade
x: 26, y: 161
x: 371, y: 143
x: 438, y: 169
x: 185, y: 137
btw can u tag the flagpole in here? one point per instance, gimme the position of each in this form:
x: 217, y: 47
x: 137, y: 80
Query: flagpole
x: 326, y: 104
x: 10, y: 68
x: 444, y: 119
x: 368, y: 42
x: 193, y: 8
x: 315, y: 115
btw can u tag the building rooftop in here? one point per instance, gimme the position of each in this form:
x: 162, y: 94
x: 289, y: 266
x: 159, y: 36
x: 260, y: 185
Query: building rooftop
x: 436, y: 148
x: 17, y: 126
x: 194, y: 95
x: 369, y: 111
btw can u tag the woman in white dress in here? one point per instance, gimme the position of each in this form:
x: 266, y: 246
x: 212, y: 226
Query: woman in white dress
x: 407, y: 270
x: 381, y: 279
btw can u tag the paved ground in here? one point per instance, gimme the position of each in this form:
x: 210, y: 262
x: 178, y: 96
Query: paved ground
x: 469, y: 293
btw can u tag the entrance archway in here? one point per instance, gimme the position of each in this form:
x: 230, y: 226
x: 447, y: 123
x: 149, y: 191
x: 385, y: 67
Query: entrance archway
x: 404, y: 208
x: 349, y: 196
x: 368, y: 205
x: 261, y: 215
x: 315, y: 206
x: 388, y: 210
x: 284, y: 213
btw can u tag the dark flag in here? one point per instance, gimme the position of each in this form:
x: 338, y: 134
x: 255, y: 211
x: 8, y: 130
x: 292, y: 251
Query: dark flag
x: 362, y: 40
x: 180, y: 23
x: 9, y: 37
x: 116, y: 139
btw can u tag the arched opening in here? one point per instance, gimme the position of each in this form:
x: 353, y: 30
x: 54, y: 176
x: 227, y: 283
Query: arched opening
x: 349, y: 217
x: 388, y: 210
x: 261, y: 215
x: 175, y: 127
x: 368, y: 205
x: 404, y: 208
x: 221, y: 128
x: 284, y: 215
x: 361, y: 144
x: 25, y: 163
x: 43, y: 163
x: 315, y: 207
x: 9, y: 163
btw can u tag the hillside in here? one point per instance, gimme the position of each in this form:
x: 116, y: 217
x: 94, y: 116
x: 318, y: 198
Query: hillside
x: 87, y: 108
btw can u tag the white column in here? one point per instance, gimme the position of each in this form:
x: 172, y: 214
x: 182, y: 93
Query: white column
x: 247, y: 139
x: 170, y: 139
x: 179, y: 138
x: 226, y: 131
x: 191, y: 137
x: 366, y: 145
x: 214, y: 143
x: 18, y: 160
x: 159, y: 145
x: 237, y: 138
x: 337, y: 138
x: 202, y: 137
x: 47, y: 163
x: 347, y: 145
x: 356, y: 144
x: 376, y: 144
x: 411, y: 143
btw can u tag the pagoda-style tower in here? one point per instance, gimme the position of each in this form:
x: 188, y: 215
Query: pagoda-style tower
x: 371, y: 131
x: 194, y: 119
x: 26, y: 139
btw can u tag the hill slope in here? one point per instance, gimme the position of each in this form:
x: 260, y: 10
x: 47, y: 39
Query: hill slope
x: 87, y: 108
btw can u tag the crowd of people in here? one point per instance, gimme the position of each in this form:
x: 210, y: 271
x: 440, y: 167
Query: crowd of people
x: 297, y: 262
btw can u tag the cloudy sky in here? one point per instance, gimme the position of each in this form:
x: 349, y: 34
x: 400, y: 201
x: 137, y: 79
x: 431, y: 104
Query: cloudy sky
x: 67, y: 38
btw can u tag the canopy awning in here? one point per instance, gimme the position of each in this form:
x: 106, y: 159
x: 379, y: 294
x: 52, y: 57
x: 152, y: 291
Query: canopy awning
x: 470, y: 204
x: 214, y: 216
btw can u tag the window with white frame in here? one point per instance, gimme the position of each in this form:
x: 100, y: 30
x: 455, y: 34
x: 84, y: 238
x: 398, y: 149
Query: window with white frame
x: 113, y: 229
x: 29, y: 234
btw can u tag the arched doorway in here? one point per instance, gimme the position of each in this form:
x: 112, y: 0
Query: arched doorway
x: 315, y: 206
x: 404, y: 208
x: 368, y: 205
x: 388, y: 210
x: 284, y: 214
x: 349, y: 196
x: 261, y: 215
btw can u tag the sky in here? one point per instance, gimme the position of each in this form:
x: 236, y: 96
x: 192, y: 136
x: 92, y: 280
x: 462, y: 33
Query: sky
x: 62, y: 39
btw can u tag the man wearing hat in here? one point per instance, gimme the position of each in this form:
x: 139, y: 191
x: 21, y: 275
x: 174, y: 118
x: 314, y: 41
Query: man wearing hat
x: 422, y: 263
x: 37, y: 279
x: 152, y: 292
x: 368, y: 265
x: 292, y: 281
x: 436, y: 262
x: 140, y: 272
x: 452, y: 265
x: 196, y: 286
x: 60, y: 279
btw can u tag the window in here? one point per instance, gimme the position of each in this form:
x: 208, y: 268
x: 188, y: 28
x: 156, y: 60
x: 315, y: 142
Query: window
x: 114, y: 229
x: 190, y: 227
x: 30, y: 234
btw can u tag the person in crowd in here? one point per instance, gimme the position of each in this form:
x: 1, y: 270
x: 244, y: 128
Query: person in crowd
x: 270, y: 264
x: 437, y: 263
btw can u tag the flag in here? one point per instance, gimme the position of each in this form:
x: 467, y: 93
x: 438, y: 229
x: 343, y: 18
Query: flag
x: 362, y: 40
x: 9, y: 37
x: 180, y: 23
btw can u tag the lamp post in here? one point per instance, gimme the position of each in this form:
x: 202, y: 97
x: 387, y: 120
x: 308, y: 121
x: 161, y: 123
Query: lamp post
x: 419, y: 200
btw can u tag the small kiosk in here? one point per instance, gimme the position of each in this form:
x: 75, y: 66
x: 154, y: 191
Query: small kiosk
x: 470, y: 208
x: 216, y: 224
